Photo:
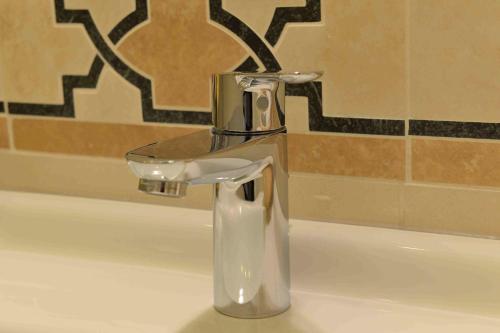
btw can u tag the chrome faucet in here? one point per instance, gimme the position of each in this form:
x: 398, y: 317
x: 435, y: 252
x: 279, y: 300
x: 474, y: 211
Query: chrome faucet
x: 245, y: 156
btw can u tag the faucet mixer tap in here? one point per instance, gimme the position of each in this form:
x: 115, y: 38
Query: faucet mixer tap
x: 245, y: 157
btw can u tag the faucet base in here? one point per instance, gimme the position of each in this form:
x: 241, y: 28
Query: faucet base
x: 237, y: 312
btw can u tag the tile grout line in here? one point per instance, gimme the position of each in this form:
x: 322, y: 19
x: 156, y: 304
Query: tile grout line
x: 454, y: 139
x: 453, y: 186
x: 408, y: 93
x: 408, y: 146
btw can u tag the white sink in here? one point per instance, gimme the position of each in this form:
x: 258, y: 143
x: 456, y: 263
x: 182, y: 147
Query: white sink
x: 83, y: 265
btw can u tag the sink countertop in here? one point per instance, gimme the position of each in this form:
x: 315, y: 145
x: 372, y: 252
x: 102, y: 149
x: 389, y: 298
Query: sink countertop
x: 84, y: 265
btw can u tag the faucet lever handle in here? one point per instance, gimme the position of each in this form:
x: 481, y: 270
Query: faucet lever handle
x: 252, y: 102
x: 249, y: 80
x: 297, y: 77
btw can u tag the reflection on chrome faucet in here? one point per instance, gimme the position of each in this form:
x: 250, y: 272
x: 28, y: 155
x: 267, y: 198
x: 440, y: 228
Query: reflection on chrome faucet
x: 245, y: 157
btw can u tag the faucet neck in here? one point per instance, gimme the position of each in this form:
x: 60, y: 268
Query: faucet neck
x: 245, y: 102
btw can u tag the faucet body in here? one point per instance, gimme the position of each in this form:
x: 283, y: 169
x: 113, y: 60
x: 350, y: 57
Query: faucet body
x: 251, y: 264
x: 245, y: 158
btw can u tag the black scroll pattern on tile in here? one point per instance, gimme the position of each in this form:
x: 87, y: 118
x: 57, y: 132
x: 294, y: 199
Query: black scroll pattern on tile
x: 311, y: 12
x: 150, y: 114
x: 320, y: 123
x: 139, y: 15
x: 249, y: 65
x: 69, y: 82
x: 245, y: 33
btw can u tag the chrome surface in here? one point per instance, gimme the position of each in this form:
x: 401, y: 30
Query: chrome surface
x: 252, y: 102
x: 245, y: 157
x: 166, y: 188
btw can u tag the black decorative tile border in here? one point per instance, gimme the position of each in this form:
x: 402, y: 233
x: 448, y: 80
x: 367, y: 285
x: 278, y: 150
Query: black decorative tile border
x: 70, y: 82
x: 454, y: 129
x: 311, y: 12
x: 1, y: 107
x: 320, y: 123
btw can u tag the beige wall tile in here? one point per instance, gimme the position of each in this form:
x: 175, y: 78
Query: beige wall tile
x: 183, y: 50
x: 114, y: 100
x: 452, y: 210
x: 257, y: 14
x: 338, y: 155
x: 459, y: 162
x: 324, y: 198
x: 345, y: 199
x: 87, y: 177
x: 2, y: 79
x: 86, y: 138
x: 4, y: 137
x: 36, y: 51
x: 455, y: 60
x: 106, y: 14
x: 297, y: 114
x: 347, y: 155
x: 360, y: 46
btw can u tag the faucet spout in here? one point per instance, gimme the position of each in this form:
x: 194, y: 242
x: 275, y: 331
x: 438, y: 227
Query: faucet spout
x: 203, y: 157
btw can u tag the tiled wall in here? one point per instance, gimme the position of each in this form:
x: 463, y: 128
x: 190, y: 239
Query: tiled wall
x: 402, y: 130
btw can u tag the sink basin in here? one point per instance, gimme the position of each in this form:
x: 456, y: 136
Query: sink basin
x: 84, y: 265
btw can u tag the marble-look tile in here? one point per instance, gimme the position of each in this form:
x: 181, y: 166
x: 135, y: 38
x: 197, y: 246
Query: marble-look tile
x: 4, y: 137
x: 455, y: 60
x: 88, y: 138
x: 179, y: 50
x: 37, y: 52
x: 334, y: 155
x: 317, y: 197
x: 258, y: 14
x: 463, y: 211
x: 354, y: 125
x: 457, y: 162
x: 114, y: 100
x: 345, y: 199
x: 102, y: 178
x: 360, y: 46
x: 106, y: 14
x: 347, y: 155
x: 297, y: 115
